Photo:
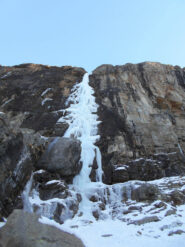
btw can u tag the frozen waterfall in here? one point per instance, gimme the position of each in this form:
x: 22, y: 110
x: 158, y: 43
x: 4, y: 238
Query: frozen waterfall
x: 83, y: 125
x: 100, y: 214
x: 81, y: 116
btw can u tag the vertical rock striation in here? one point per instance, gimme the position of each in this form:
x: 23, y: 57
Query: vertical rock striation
x: 142, y: 113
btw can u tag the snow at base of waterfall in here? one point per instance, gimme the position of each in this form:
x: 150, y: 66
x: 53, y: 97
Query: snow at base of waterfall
x: 116, y: 233
x: 169, y: 231
x: 126, y: 230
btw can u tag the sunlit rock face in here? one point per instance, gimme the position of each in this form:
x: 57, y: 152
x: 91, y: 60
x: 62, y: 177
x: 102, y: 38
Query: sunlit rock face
x: 142, y: 113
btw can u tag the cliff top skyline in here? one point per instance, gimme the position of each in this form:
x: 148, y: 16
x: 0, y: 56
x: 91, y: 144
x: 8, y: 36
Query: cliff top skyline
x: 89, y: 33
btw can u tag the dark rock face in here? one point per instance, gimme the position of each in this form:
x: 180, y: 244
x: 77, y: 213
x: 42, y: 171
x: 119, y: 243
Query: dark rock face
x: 47, y: 190
x: 142, y: 113
x: 15, y: 166
x: 31, y: 97
x: 53, y: 190
x: 24, y: 229
x: 38, y: 92
x: 65, y: 202
x: 62, y: 157
x: 141, y: 169
x: 158, y: 166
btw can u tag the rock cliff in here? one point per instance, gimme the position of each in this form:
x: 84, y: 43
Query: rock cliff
x: 142, y: 113
x: 36, y: 94
x: 31, y: 97
x: 142, y: 137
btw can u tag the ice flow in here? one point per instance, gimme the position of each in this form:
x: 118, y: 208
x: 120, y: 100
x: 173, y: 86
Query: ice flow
x: 83, y: 125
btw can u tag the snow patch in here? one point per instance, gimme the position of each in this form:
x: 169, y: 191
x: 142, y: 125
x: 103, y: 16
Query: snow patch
x: 45, y: 100
x: 54, y: 182
x: 45, y: 91
x: 6, y: 75
x: 6, y: 102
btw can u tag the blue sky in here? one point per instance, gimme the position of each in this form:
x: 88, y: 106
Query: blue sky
x: 88, y: 33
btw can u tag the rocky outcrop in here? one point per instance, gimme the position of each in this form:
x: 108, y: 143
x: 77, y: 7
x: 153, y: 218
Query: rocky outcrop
x: 142, y: 113
x: 62, y: 156
x: 158, y: 166
x: 51, y: 197
x: 15, y: 166
x: 47, y: 189
x: 24, y: 229
x: 36, y: 94
x: 136, y: 199
x: 31, y: 99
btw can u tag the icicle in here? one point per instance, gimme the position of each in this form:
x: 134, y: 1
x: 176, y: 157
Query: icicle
x: 25, y: 196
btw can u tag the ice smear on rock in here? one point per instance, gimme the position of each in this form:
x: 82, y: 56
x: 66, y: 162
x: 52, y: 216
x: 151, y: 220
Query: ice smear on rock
x: 25, y: 196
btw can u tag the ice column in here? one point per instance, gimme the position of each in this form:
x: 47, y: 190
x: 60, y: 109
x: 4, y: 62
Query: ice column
x: 83, y: 125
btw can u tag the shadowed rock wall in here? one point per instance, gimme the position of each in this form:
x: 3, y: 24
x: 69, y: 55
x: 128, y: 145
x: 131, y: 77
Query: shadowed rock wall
x: 36, y: 93
x: 31, y: 97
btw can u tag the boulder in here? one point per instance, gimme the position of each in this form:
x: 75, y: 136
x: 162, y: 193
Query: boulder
x: 177, y: 197
x: 24, y: 229
x: 62, y: 156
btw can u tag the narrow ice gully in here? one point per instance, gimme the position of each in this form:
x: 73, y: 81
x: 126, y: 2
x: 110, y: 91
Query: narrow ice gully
x: 83, y: 125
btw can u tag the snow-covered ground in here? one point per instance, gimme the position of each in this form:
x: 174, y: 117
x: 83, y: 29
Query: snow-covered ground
x: 108, y: 233
x: 127, y: 229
